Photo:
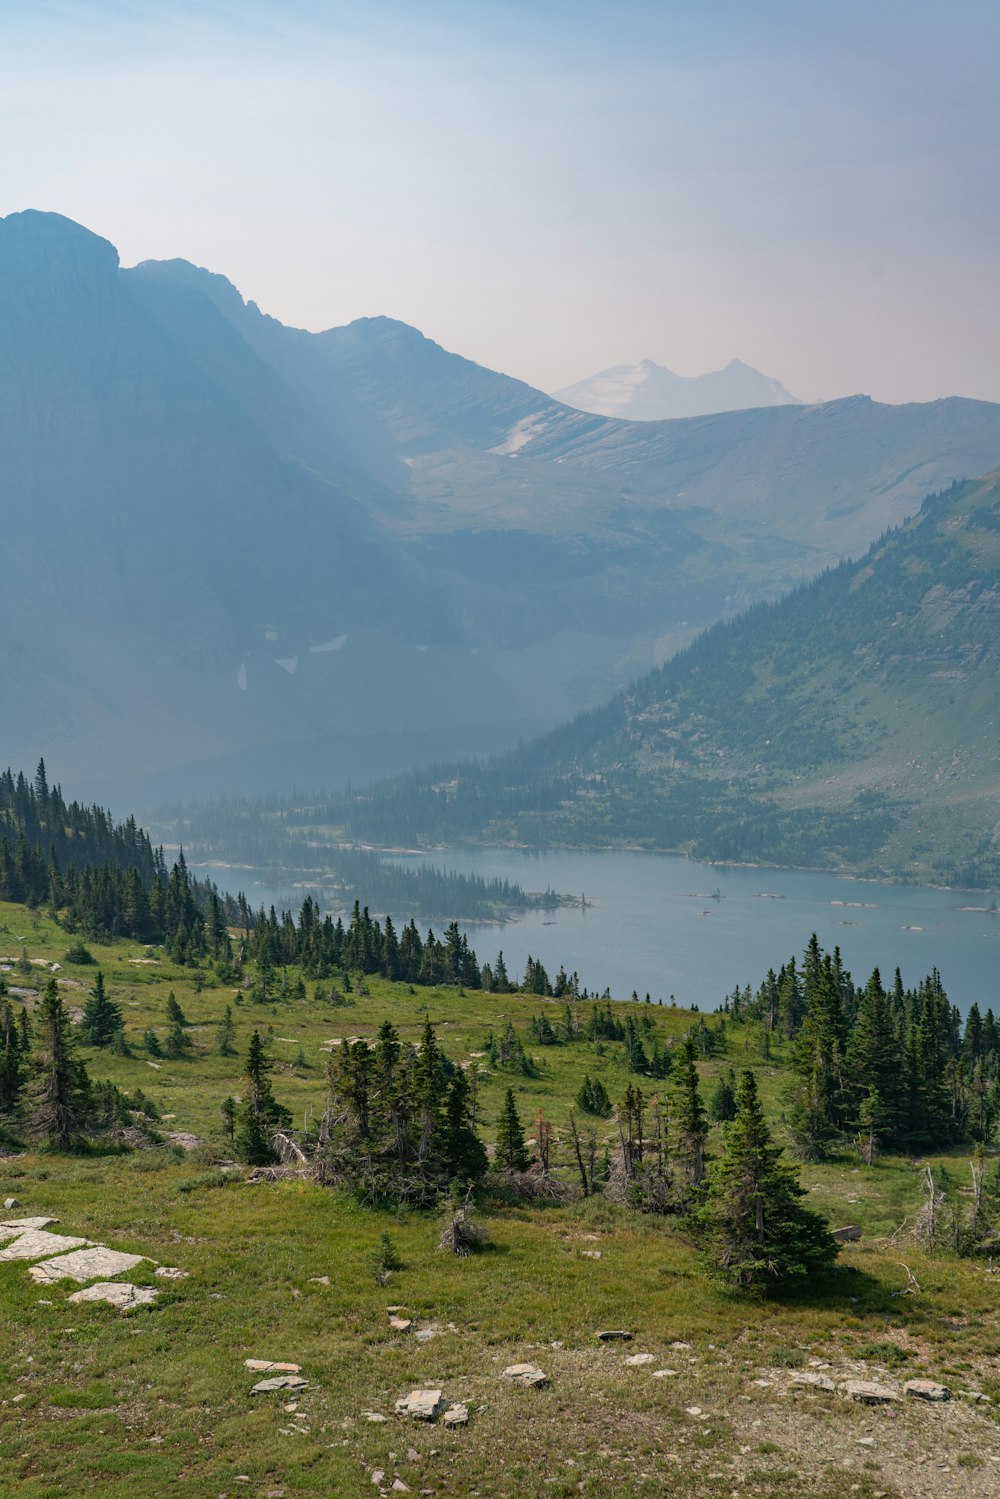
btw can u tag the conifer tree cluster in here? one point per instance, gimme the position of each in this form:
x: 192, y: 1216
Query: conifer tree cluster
x: 890, y: 1068
x: 400, y: 1123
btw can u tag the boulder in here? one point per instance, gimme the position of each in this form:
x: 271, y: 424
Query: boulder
x: 456, y: 1415
x: 420, y: 1405
x: 815, y: 1382
x: 926, y: 1389
x: 528, y: 1375
x: 97, y: 1263
x: 614, y: 1335
x: 120, y: 1294
x: 868, y: 1392
x: 847, y: 1235
x: 11, y: 1202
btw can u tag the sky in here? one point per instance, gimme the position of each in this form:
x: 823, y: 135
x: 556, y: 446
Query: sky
x: 549, y: 188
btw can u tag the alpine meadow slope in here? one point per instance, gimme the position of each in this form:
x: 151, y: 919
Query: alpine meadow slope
x: 850, y: 726
x: 269, y: 556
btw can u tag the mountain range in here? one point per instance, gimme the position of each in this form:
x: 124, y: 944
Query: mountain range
x: 248, y: 555
x: 649, y: 392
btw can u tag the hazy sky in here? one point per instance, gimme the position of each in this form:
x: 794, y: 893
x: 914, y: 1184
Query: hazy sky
x: 547, y: 187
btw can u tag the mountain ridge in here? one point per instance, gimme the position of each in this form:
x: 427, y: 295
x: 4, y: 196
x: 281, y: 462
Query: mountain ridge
x: 648, y: 391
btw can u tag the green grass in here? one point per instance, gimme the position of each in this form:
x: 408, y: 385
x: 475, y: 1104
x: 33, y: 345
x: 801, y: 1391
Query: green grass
x: 157, y: 1402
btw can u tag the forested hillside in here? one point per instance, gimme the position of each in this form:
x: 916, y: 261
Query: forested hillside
x: 852, y: 726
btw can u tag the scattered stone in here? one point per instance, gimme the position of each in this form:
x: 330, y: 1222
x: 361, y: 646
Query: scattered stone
x: 847, y: 1235
x: 265, y: 1365
x: 319, y: 1280
x: 42, y: 1302
x: 590, y: 1254
x: 614, y: 1335
x: 679, y: 1347
x: 664, y: 1373
x: 425, y: 1334
x: 122, y: 1295
x: 866, y: 1441
x: 868, y: 1392
x: 403, y: 1324
x: 456, y: 1415
x: 639, y: 1359
x: 528, y: 1375
x: 926, y: 1389
x: 392, y: 1310
x: 171, y: 1272
x: 693, y: 1410
x: 11, y: 1202
x: 36, y: 1244
x: 377, y: 1475
x: 412, y: 1455
x: 399, y: 1487
x: 420, y: 1405
x: 376, y: 1418
x: 815, y: 1381
x: 281, y: 1382
x: 976, y: 1396
x: 98, y: 1263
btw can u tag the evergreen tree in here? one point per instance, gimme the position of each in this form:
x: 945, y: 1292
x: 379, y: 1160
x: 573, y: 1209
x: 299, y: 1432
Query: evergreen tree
x: 465, y: 1152
x: 178, y: 1042
x: 593, y: 1098
x: 259, y: 1113
x: 511, y: 1151
x: 57, y: 1106
x: 722, y: 1104
x: 151, y: 1042
x: 759, y: 1237
x: 175, y: 1014
x: 226, y: 1034
x: 12, y: 1056
x: 688, y: 1126
x: 102, y: 1018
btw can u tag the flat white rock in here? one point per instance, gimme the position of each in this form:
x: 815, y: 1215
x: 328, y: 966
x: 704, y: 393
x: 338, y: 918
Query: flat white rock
x: 456, y: 1415
x: 664, y: 1373
x: 36, y: 1244
x: 265, y: 1365
x: 638, y: 1359
x: 280, y: 1382
x: 15, y: 1226
x: 98, y: 1263
x: 118, y: 1293
x: 868, y: 1392
x: 815, y: 1381
x: 171, y: 1272
x: 926, y: 1389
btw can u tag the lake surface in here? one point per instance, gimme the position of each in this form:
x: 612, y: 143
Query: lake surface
x: 653, y: 923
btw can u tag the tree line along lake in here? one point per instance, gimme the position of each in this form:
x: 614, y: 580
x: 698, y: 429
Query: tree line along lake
x: 672, y: 927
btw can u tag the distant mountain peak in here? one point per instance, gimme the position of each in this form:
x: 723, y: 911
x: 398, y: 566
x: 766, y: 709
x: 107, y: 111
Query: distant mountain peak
x: 648, y: 391
x: 33, y: 242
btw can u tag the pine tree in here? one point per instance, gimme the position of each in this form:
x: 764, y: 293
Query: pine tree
x: 102, y: 1018
x: 175, y: 1014
x: 178, y: 1042
x: 12, y: 1057
x: 593, y: 1098
x: 722, y: 1104
x: 57, y: 1099
x: 259, y: 1114
x: 151, y: 1042
x: 511, y: 1151
x: 465, y: 1152
x: 688, y: 1126
x: 226, y: 1034
x: 759, y: 1237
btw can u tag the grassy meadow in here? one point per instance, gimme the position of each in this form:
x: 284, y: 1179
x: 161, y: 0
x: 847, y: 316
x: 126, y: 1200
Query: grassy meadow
x: 157, y: 1402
